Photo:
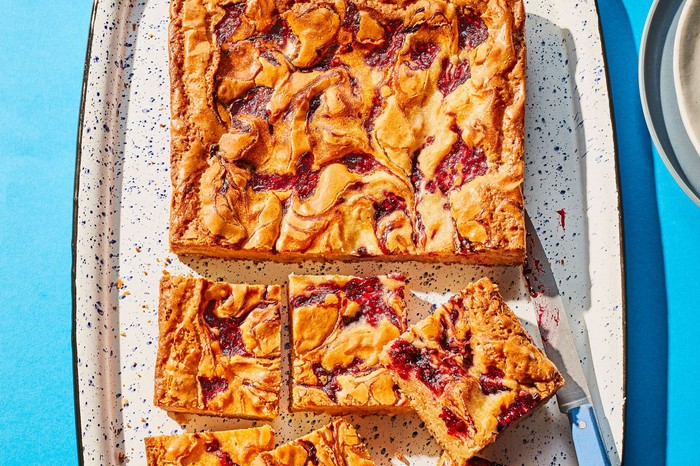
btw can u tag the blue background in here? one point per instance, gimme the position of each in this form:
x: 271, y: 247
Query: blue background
x: 42, y: 49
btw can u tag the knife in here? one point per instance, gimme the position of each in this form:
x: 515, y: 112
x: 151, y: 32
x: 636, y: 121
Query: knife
x: 573, y: 398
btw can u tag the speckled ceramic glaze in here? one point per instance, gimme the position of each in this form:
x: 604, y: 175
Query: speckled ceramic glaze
x: 121, y: 247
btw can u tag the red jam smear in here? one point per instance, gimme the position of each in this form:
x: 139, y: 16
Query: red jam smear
x: 455, y: 348
x: 457, y: 426
x: 491, y: 381
x: 306, y: 178
x: 453, y: 76
x: 212, y: 387
x: 562, y: 218
x: 311, y: 455
x: 230, y: 23
x: 523, y: 404
x: 253, y: 103
x: 271, y: 182
x: 472, y: 29
x: 423, y: 55
x: 224, y: 458
x: 229, y: 330
x: 280, y: 34
x: 533, y: 283
x: 385, y: 55
x: 328, y: 379
x: 351, y: 19
x: 374, y: 111
x: 360, y: 163
x: 390, y: 204
x: 368, y: 293
x: 461, y: 165
x: 464, y: 245
x: 304, y: 181
x: 407, y: 360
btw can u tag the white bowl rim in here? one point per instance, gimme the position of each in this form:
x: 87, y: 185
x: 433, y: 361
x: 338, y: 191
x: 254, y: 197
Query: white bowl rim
x: 691, y: 9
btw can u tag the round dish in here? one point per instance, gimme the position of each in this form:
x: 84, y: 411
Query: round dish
x: 686, y: 69
x: 659, y: 97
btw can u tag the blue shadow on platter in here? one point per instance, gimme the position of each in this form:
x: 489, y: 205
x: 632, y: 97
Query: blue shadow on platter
x: 646, y: 314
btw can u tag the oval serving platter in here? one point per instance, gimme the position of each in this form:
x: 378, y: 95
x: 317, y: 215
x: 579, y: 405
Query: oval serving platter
x: 121, y: 227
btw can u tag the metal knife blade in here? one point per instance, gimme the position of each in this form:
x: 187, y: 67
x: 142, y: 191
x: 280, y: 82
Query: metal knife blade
x: 553, y: 322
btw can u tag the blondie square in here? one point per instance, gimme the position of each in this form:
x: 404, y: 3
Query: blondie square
x: 219, y: 348
x: 348, y: 129
x: 339, y: 326
x: 471, y: 370
x: 336, y: 444
x: 233, y: 447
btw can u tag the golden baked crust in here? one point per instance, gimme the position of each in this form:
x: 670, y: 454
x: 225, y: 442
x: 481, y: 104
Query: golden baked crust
x: 339, y: 326
x: 336, y: 444
x: 471, y: 370
x: 238, y: 447
x: 219, y: 348
x: 332, y: 129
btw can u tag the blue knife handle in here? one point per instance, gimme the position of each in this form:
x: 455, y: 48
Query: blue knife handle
x: 588, y: 442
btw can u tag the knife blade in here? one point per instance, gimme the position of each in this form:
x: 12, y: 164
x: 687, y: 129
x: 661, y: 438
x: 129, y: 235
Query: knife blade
x: 553, y: 322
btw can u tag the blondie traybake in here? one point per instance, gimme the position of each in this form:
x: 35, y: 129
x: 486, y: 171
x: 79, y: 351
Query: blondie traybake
x: 471, y: 370
x: 232, y: 447
x: 336, y: 444
x: 341, y: 129
x: 339, y: 327
x: 219, y: 348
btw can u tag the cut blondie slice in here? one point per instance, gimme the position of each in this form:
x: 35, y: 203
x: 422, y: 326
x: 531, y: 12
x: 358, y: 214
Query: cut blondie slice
x: 471, y: 370
x: 339, y: 326
x: 233, y: 447
x: 219, y: 348
x: 336, y: 444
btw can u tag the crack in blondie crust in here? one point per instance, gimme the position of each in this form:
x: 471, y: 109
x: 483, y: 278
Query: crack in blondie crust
x: 346, y: 129
x: 219, y: 348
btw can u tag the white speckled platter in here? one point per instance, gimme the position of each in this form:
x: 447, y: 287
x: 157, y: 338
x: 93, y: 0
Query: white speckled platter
x: 122, y: 202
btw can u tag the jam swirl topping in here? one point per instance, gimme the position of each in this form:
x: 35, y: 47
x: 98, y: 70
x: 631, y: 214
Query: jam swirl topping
x: 211, y: 386
x: 224, y: 458
x: 369, y: 293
